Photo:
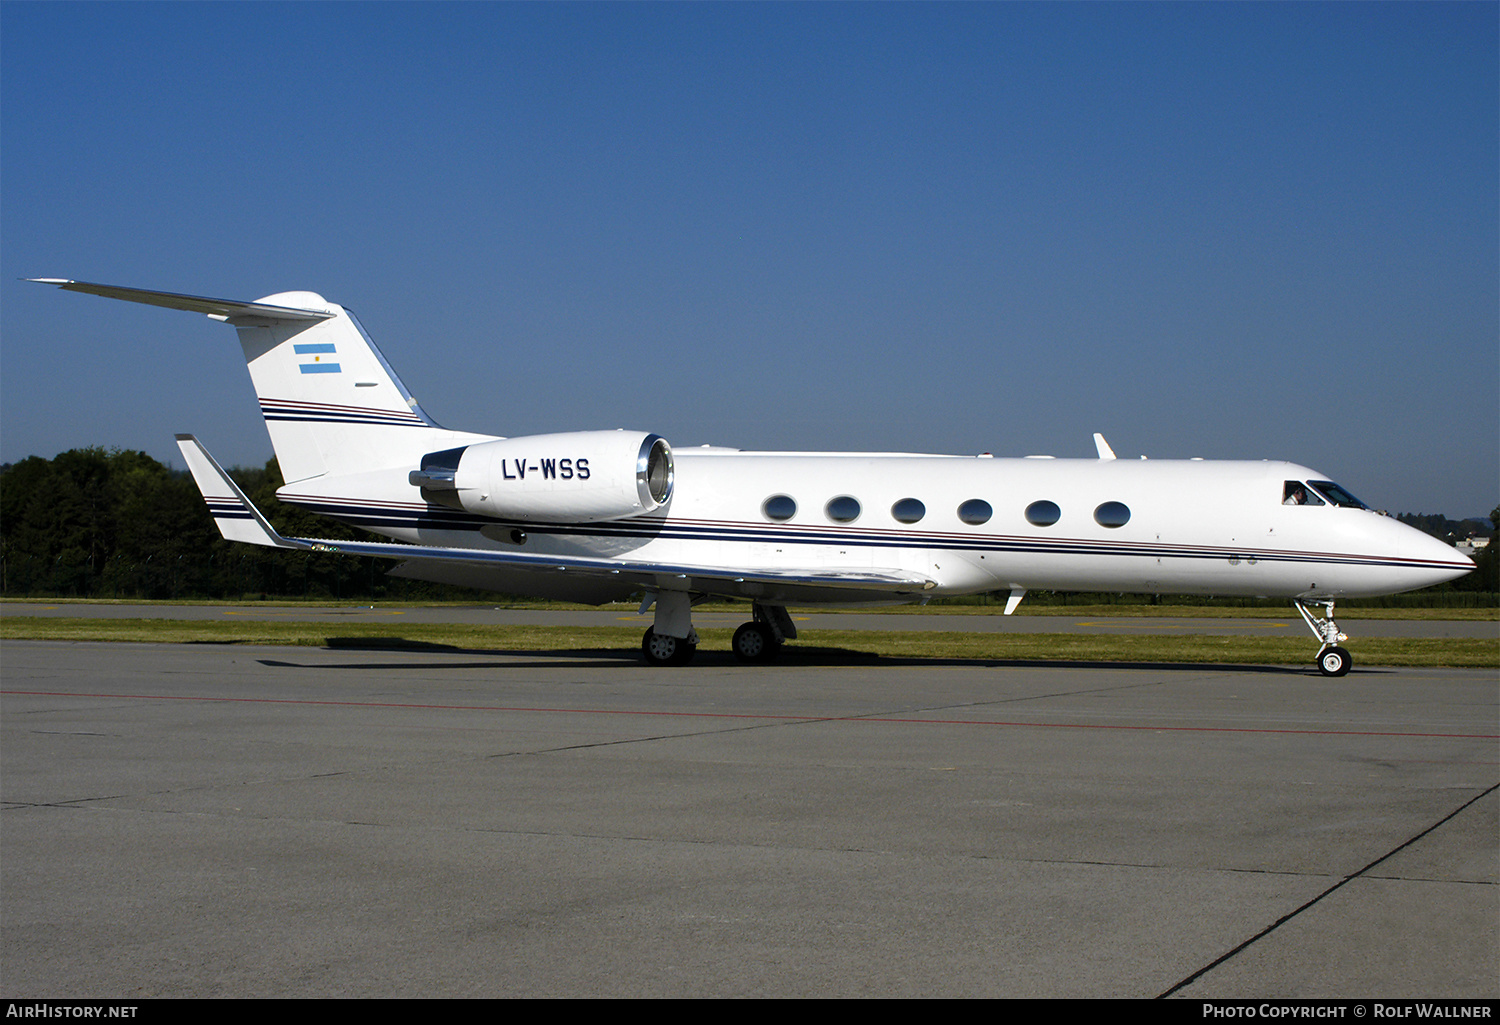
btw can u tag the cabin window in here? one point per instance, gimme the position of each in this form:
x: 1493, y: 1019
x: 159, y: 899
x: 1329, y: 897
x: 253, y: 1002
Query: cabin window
x: 1297, y: 493
x: 1335, y: 494
x: 779, y: 507
x: 908, y: 510
x: 975, y: 511
x: 1043, y: 513
x: 842, y: 509
x: 1112, y: 514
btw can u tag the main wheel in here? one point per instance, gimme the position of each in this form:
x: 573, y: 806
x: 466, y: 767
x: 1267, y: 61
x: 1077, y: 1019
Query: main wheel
x: 661, y: 650
x: 1334, y: 662
x: 754, y: 642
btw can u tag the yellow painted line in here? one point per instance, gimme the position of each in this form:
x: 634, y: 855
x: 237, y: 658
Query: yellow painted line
x: 714, y: 617
x: 305, y: 612
x: 1174, y: 623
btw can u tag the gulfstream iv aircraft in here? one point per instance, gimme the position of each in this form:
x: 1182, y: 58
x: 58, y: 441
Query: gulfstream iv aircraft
x: 597, y: 516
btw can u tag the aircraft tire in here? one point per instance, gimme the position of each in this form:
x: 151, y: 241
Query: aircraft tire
x: 661, y: 650
x: 753, y: 642
x: 1334, y: 662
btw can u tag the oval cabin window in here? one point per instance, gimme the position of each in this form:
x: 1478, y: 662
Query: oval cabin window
x: 779, y: 507
x: 1043, y: 513
x: 843, y: 509
x: 908, y: 510
x: 1112, y: 514
x: 975, y: 511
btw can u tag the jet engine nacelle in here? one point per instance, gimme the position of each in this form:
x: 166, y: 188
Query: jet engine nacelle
x: 582, y: 476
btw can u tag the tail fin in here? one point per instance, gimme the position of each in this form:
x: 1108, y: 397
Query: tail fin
x: 331, y: 402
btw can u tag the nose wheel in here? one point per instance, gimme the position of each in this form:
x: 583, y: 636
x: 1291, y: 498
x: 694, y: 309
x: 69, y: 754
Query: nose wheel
x: 1331, y: 660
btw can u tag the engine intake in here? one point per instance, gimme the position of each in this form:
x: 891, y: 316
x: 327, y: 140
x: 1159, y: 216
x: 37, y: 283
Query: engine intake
x: 578, y: 477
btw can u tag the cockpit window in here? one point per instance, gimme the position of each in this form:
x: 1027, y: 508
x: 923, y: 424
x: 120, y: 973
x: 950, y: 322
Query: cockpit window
x: 1298, y: 493
x: 1337, y: 495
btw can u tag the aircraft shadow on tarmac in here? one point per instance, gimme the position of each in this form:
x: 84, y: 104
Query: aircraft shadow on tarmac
x: 800, y: 657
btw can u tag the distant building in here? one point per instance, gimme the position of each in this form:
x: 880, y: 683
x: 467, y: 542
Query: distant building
x: 1470, y: 545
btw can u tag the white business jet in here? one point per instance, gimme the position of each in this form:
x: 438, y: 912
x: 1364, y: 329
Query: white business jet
x: 597, y: 516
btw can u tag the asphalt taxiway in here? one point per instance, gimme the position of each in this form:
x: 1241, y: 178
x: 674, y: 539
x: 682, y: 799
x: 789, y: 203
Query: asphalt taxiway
x: 206, y: 820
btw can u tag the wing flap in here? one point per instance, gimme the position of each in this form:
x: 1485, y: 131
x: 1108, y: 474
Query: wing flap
x: 806, y: 584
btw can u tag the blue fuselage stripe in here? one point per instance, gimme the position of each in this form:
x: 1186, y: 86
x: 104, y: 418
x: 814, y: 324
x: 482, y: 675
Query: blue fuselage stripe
x: 379, y: 520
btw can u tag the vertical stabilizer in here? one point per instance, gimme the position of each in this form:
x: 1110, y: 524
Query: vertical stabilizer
x: 331, y: 402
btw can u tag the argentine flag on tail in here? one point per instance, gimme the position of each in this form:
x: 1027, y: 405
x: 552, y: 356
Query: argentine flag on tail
x: 317, y: 352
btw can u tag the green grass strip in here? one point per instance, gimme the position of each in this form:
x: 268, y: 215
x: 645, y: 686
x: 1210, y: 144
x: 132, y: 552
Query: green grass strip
x: 1121, y: 610
x: 1466, y: 652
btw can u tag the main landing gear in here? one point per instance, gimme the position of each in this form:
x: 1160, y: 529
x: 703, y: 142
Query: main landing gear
x: 753, y: 642
x: 664, y: 650
x: 672, y: 641
x: 1332, y: 660
x: 760, y: 639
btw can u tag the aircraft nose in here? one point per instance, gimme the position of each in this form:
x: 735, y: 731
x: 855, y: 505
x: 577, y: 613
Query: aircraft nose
x: 1435, y: 561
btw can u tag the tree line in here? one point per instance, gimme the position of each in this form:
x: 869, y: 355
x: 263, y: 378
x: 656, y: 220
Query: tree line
x: 118, y: 524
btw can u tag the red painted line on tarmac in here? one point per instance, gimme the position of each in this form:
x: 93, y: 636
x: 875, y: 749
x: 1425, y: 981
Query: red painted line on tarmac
x: 752, y: 715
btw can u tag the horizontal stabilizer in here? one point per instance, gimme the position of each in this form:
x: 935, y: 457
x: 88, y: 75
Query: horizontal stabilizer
x: 221, y: 309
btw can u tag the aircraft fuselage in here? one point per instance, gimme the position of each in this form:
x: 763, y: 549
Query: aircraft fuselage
x: 1190, y: 526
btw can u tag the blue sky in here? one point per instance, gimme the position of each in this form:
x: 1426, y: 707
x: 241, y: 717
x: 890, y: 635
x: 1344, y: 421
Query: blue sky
x: 1220, y: 230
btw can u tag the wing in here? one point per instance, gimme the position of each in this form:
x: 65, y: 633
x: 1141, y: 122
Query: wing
x: 596, y: 579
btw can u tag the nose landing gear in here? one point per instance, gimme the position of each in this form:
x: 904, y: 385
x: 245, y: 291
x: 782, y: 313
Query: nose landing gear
x: 1331, y: 660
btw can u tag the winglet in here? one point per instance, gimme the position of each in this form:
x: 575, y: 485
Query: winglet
x: 233, y: 513
x: 1105, y: 452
